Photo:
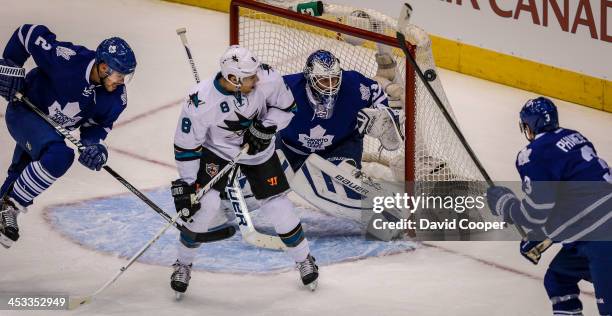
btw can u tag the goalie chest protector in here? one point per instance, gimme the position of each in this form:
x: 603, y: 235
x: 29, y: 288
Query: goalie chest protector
x: 309, y: 133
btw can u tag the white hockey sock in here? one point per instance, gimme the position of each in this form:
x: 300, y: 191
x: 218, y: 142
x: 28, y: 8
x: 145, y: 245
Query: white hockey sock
x: 185, y: 254
x: 199, y: 222
x: 281, y: 212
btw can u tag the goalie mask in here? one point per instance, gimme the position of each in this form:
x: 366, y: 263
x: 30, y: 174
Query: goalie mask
x: 238, y: 62
x: 324, y: 76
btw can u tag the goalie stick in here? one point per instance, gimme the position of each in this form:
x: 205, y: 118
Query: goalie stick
x: 76, y: 301
x: 222, y: 233
x: 401, y: 38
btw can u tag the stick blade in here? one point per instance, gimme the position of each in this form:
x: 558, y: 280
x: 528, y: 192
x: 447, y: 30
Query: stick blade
x: 404, y: 18
x: 264, y: 241
x: 78, y: 301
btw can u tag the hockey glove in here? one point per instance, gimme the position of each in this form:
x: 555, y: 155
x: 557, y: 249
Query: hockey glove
x: 12, y: 79
x: 94, y: 156
x: 258, y: 137
x: 184, y: 196
x: 534, y: 245
x: 501, y: 200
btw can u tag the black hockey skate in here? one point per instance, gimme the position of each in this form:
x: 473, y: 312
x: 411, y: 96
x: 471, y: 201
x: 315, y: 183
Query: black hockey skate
x: 9, y: 231
x: 309, y: 272
x: 179, y: 281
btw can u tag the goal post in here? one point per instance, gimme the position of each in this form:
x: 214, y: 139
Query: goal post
x: 433, y: 160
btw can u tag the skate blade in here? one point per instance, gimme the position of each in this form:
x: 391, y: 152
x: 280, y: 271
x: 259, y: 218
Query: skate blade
x: 312, y: 286
x: 5, y: 241
x: 178, y: 296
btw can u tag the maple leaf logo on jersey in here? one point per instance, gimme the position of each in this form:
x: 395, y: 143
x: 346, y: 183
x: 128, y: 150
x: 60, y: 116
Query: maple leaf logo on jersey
x: 239, y: 125
x: 523, y: 156
x: 66, y: 116
x: 124, y: 96
x: 317, y: 140
x: 64, y: 52
x: 365, y: 92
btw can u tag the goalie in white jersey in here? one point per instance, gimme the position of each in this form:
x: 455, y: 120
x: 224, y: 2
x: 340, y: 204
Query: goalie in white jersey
x: 245, y: 103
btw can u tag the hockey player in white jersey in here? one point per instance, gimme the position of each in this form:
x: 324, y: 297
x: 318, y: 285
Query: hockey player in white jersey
x: 245, y: 103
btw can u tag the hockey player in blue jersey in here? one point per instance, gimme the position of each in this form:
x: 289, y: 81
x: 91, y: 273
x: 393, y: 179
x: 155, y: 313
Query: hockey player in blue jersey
x: 568, y: 198
x: 335, y: 108
x: 77, y: 88
x: 322, y: 146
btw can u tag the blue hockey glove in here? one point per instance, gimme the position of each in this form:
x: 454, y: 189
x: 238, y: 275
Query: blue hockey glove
x: 534, y: 245
x: 94, y: 156
x: 501, y: 200
x: 184, y: 196
x: 12, y: 79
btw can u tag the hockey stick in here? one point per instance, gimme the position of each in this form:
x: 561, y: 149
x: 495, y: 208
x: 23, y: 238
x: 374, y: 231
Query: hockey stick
x: 76, y: 301
x: 222, y: 233
x: 182, y: 32
x: 243, y: 218
x: 401, y: 38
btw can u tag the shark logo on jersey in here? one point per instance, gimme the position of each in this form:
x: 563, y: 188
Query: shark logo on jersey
x: 317, y: 140
x: 523, y: 156
x: 365, y: 92
x: 239, y: 125
x: 195, y: 100
x: 64, y: 52
x: 66, y: 116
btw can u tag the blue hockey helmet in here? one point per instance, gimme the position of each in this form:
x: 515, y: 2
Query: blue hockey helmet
x: 117, y: 54
x: 540, y: 115
x: 324, y: 74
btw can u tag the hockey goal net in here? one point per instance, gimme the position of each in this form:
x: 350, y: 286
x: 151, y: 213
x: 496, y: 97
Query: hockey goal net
x: 284, y: 38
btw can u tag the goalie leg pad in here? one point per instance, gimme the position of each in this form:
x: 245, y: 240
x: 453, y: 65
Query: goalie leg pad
x: 341, y: 191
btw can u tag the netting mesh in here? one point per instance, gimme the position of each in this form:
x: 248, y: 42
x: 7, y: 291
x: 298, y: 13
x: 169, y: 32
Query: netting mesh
x: 286, y: 43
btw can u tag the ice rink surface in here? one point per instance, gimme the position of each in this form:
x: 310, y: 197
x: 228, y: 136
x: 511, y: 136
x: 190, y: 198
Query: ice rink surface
x: 444, y: 278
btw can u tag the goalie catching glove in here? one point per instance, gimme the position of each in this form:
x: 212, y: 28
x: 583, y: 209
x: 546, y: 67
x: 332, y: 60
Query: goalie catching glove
x: 382, y: 124
x: 184, y: 195
x: 258, y: 137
